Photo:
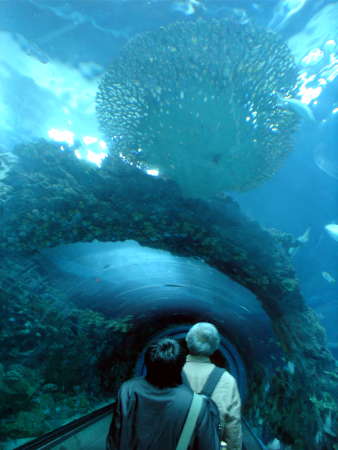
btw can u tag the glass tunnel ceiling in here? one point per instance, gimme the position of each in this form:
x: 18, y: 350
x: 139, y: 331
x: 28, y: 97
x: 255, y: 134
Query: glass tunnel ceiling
x: 127, y: 278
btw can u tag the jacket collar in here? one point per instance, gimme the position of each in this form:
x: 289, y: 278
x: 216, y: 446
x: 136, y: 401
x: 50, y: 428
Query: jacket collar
x: 198, y: 358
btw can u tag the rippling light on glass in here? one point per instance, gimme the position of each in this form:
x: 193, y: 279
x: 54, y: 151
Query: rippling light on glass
x: 313, y: 57
x: 89, y: 140
x: 309, y: 94
x: 61, y: 135
x: 96, y: 158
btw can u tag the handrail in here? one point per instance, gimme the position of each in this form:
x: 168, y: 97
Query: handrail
x: 65, y: 431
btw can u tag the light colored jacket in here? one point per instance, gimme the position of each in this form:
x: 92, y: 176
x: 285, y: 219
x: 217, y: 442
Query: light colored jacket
x: 225, y: 395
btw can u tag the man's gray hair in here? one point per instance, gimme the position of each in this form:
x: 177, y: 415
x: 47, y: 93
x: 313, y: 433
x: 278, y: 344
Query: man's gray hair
x: 202, y: 339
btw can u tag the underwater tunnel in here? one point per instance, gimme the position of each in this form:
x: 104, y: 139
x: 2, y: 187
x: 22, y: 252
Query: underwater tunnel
x: 162, y: 163
x: 126, y: 279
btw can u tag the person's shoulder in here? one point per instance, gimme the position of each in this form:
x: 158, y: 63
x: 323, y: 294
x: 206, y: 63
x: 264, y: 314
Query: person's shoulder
x: 181, y: 396
x: 183, y: 389
x: 131, y: 384
x: 228, y: 378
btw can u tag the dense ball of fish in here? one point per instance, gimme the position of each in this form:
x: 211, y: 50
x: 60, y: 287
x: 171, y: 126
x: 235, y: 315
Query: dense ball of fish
x: 199, y: 101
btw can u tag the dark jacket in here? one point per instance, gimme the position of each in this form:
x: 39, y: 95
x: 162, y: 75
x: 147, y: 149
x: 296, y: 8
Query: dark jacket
x: 148, y: 418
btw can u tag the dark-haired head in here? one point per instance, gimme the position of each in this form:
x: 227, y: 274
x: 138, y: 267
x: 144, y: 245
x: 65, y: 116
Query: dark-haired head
x: 164, y: 361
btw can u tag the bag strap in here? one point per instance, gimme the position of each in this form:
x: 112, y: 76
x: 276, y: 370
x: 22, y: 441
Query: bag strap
x: 190, y: 422
x: 212, y: 380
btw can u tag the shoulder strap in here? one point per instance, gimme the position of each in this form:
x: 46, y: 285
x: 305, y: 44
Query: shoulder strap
x: 212, y: 380
x: 190, y: 422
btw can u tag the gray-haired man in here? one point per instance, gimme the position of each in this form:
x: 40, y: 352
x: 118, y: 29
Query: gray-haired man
x: 202, y: 341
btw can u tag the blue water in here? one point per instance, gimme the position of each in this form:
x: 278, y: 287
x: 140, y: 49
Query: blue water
x: 53, y: 50
x: 53, y: 54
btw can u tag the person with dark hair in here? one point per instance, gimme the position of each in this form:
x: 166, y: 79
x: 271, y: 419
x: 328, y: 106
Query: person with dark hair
x: 158, y: 412
x: 204, y: 377
x: 164, y: 361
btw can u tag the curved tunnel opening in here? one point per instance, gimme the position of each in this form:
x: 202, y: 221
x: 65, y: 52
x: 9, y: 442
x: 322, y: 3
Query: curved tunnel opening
x: 161, y: 293
x: 227, y: 356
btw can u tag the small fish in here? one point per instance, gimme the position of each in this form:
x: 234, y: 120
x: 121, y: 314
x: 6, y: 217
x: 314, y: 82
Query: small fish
x: 301, y: 240
x: 328, y: 277
x: 245, y: 309
x: 332, y: 229
x: 304, y: 237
